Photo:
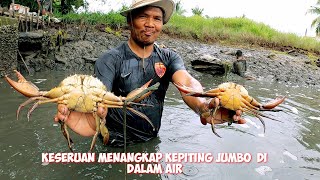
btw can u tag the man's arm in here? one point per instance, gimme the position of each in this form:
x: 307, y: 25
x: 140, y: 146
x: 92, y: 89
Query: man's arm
x: 197, y: 104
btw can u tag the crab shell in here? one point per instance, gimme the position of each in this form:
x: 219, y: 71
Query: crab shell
x: 233, y: 96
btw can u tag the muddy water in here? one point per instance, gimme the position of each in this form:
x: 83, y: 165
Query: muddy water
x: 293, y: 146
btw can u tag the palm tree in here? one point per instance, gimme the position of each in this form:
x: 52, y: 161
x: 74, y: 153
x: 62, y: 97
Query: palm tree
x: 66, y: 5
x: 316, y: 22
x: 179, y: 10
x: 198, y: 11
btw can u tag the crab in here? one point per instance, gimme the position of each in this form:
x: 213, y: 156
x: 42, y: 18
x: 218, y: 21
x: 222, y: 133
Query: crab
x: 81, y: 93
x: 233, y: 97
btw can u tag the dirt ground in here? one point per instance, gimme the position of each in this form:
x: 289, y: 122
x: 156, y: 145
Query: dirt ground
x: 82, y: 48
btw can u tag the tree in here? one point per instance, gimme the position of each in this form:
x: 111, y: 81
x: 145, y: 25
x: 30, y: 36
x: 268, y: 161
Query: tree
x: 179, y: 10
x: 32, y: 4
x: 316, y: 22
x: 66, y: 5
x: 197, y: 11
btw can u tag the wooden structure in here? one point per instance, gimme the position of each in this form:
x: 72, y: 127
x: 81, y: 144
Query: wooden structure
x: 28, y: 21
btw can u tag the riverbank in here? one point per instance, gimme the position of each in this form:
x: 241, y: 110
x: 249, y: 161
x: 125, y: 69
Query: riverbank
x: 78, y: 49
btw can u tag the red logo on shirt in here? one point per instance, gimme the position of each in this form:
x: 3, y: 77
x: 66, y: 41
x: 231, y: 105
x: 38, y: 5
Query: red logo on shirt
x: 160, y: 69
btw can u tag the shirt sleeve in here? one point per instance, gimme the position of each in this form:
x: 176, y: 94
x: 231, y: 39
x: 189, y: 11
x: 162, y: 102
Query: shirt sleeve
x: 175, y: 63
x: 105, y: 69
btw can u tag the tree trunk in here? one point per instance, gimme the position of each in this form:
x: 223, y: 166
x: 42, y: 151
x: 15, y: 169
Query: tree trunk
x: 64, y: 7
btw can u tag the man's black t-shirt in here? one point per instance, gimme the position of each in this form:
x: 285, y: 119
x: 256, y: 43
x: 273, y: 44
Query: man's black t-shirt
x: 122, y: 71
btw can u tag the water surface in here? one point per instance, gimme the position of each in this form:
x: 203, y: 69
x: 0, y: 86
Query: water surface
x: 293, y: 146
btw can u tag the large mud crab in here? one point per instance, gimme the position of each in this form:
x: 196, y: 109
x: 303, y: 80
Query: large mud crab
x: 234, y: 97
x: 81, y: 93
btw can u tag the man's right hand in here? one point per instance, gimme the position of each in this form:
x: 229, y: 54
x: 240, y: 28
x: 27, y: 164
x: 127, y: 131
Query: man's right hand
x: 82, y: 123
x: 222, y: 115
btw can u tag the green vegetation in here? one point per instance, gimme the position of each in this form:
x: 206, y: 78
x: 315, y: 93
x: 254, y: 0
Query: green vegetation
x: 238, y: 31
x: 112, y: 19
x: 32, y: 4
x: 61, y: 6
x: 197, y: 11
x: 179, y: 9
x: 316, y: 22
x: 223, y: 30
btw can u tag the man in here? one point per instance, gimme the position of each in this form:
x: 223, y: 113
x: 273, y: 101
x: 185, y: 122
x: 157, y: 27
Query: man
x: 134, y: 63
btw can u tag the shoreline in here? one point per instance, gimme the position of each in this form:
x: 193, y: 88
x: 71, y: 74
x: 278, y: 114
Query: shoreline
x: 80, y: 51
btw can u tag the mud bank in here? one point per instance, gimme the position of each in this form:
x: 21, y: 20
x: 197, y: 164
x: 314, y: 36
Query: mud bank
x: 8, y: 44
x: 77, y: 49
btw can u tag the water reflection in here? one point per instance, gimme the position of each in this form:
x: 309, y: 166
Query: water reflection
x: 293, y: 146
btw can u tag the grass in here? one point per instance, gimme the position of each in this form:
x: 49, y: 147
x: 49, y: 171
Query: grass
x: 239, y: 31
x: 112, y: 19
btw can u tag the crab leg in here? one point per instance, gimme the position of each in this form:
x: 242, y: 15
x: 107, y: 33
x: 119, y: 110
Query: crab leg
x: 254, y: 112
x: 143, y: 116
x: 189, y: 92
x: 204, y: 94
x: 250, y: 105
x: 104, y: 131
x: 262, y: 121
x: 66, y: 134
x: 212, y: 122
x: 213, y: 113
x: 258, y: 115
x: 35, y: 105
x: 134, y: 111
x: 121, y: 103
x: 28, y: 101
x: 50, y: 100
x: 97, y: 118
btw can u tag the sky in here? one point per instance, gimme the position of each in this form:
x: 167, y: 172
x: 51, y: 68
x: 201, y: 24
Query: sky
x: 283, y: 15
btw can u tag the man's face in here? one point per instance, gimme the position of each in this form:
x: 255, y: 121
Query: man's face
x: 146, y: 25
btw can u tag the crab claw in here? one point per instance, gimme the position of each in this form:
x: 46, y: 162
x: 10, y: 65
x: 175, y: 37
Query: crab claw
x: 140, y: 93
x: 273, y: 103
x: 189, y: 91
x: 23, y: 86
x: 105, y: 133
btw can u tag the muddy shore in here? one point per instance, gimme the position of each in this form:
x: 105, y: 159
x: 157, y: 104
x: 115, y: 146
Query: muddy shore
x: 78, y: 49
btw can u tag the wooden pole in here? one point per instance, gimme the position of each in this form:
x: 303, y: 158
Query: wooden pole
x: 49, y: 16
x: 50, y: 6
x: 31, y: 22
x: 13, y: 8
x: 22, y: 24
x: 38, y: 19
x: 1, y: 11
x: 25, y: 64
x: 19, y: 24
x: 26, y: 19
